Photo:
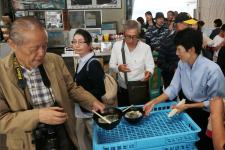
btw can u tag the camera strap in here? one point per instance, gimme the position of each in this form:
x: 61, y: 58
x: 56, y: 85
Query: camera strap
x: 44, y: 76
x: 22, y: 81
x: 124, y: 61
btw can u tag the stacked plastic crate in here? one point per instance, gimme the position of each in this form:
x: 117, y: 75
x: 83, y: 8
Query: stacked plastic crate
x: 155, y: 132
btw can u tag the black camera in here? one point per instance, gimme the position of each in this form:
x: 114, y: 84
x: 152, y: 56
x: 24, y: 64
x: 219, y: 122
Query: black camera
x: 45, y: 137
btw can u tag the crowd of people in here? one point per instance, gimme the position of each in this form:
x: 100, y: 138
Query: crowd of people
x: 37, y: 91
x: 192, y: 67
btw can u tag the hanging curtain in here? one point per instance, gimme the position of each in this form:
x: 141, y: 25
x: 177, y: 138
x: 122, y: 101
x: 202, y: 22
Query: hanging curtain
x: 209, y: 10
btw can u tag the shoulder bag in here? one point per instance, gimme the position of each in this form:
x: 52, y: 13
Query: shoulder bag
x: 138, y: 90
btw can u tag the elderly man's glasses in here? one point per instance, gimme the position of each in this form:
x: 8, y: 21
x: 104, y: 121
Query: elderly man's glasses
x: 78, y: 42
x: 129, y: 37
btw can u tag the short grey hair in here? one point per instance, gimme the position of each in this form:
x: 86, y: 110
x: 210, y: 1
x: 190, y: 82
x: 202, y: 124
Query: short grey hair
x: 22, y: 25
x: 131, y: 24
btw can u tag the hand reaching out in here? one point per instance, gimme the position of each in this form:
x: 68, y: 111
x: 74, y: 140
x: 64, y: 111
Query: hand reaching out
x: 97, y: 105
x: 148, y: 107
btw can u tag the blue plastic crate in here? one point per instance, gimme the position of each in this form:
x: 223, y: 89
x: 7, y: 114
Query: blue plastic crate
x: 156, y: 130
x: 181, y: 146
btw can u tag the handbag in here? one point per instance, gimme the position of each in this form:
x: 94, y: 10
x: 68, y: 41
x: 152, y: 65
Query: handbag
x: 110, y: 97
x: 138, y: 91
x: 111, y: 87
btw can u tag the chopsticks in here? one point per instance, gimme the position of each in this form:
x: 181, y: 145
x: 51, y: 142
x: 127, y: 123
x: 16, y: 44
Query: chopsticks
x: 127, y: 108
x: 104, y: 118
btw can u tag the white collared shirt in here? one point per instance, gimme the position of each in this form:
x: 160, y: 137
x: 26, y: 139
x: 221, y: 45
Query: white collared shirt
x: 82, y: 61
x: 138, y: 60
x: 217, y: 40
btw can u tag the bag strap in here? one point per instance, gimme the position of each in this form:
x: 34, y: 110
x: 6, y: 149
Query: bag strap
x: 89, y: 61
x: 124, y: 60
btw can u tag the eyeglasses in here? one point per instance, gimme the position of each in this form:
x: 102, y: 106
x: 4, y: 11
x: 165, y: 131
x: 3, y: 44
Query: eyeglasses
x: 129, y: 37
x: 78, y: 42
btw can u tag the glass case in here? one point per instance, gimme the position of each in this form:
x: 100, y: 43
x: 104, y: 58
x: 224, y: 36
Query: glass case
x: 85, y: 18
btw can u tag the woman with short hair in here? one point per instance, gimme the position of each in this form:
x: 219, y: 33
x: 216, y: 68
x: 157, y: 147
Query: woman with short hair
x: 90, y: 75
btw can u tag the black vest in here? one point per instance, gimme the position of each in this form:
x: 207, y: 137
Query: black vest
x: 92, y: 80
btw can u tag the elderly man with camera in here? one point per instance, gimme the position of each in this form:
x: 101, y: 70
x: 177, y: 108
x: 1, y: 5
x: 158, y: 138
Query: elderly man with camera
x: 36, y: 90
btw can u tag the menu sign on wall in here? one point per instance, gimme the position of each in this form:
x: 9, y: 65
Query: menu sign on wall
x: 38, y: 4
x: 87, y: 4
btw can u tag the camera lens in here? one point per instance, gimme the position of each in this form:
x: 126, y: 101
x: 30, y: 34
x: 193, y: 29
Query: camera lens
x: 52, y: 143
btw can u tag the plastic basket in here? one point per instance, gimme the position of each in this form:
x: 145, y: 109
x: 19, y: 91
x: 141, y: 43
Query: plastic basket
x: 156, y: 130
x: 181, y: 146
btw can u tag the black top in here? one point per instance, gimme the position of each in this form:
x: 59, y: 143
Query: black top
x: 1, y: 35
x: 142, y: 33
x: 214, y: 33
x: 221, y: 60
x: 168, y: 60
x: 93, y: 79
x: 155, y: 35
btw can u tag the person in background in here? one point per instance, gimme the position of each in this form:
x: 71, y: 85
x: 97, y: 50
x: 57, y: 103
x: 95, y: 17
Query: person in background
x: 157, y: 32
x: 200, y: 79
x: 149, y: 20
x: 217, y: 109
x: 91, y: 79
x: 221, y: 60
x: 221, y: 56
x: 217, y: 24
x: 1, y: 35
x: 37, y: 91
x: 175, y: 14
x: 170, y: 20
x: 218, y: 42
x: 206, y: 43
x: 168, y: 60
x: 141, y: 21
x: 140, y: 63
x: 200, y: 24
x: 5, y: 24
x: 17, y: 5
x: 206, y: 40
